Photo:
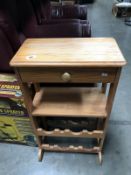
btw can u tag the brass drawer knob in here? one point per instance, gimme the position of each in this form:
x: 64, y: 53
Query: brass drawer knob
x: 66, y: 77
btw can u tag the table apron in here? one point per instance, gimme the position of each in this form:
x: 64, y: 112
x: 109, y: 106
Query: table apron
x: 75, y: 75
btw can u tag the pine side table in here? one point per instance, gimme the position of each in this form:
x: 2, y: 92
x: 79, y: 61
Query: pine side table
x: 69, y: 61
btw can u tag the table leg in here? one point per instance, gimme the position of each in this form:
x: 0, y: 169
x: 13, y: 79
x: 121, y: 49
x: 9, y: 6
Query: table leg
x: 40, y: 154
x: 100, y: 157
x: 104, y: 87
x: 110, y: 100
x: 28, y: 102
x: 37, y: 87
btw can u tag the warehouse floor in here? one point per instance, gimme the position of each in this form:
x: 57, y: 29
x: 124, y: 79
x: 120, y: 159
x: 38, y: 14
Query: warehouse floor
x: 22, y: 160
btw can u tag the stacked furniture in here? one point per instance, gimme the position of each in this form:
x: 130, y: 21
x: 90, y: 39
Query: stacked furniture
x: 22, y: 19
x: 72, y: 1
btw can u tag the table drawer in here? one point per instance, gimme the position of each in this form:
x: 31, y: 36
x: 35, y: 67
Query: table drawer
x: 68, y: 75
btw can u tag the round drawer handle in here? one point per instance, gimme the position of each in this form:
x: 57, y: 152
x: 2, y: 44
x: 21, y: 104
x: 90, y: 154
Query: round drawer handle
x: 66, y: 77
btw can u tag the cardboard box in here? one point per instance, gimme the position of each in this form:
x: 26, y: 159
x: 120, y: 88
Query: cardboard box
x: 11, y: 99
x: 16, y: 130
x: 15, y: 125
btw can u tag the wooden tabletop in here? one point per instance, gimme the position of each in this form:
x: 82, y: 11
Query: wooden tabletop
x: 69, y: 52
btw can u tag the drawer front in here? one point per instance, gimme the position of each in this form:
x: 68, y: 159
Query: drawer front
x: 68, y: 75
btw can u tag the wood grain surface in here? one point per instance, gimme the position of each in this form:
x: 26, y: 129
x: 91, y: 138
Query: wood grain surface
x: 77, y: 102
x: 69, y: 52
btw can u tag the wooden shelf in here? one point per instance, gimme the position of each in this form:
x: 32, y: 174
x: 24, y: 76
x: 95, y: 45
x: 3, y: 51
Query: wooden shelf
x: 70, y: 148
x: 69, y: 133
x: 54, y: 61
x: 69, y: 102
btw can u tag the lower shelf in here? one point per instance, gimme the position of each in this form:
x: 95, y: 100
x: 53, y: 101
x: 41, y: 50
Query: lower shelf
x: 69, y: 133
x: 75, y: 102
x: 70, y: 148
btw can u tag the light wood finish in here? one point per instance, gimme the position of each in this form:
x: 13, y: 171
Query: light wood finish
x: 111, y: 95
x: 55, y: 75
x: 28, y: 102
x: 71, y: 148
x: 69, y: 61
x: 69, y: 133
x: 75, y: 102
x: 91, y: 52
x: 100, y: 157
x: 40, y: 154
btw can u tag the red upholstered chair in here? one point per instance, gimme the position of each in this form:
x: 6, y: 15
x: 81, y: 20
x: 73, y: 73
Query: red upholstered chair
x: 45, y: 10
x: 20, y: 21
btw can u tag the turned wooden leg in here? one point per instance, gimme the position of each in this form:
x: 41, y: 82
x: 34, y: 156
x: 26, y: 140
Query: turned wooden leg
x: 100, y: 158
x: 40, y: 154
